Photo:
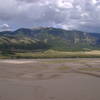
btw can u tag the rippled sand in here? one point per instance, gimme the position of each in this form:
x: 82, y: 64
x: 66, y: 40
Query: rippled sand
x: 50, y: 79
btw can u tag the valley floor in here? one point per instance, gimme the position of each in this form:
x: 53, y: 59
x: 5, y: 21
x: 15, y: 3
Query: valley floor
x: 50, y: 79
x: 50, y: 54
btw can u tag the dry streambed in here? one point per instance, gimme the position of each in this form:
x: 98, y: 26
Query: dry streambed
x: 48, y: 68
x: 50, y: 79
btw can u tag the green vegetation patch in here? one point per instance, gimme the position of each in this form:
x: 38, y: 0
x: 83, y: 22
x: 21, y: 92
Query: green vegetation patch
x: 51, y: 54
x: 58, y: 54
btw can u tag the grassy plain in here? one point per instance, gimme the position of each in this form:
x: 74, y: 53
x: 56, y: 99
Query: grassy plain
x: 59, y: 54
x: 52, y: 54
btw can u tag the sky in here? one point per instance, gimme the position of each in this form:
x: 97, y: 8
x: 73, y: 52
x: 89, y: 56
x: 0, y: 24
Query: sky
x: 81, y: 15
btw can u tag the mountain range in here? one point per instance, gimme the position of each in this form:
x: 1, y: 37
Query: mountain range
x: 36, y: 39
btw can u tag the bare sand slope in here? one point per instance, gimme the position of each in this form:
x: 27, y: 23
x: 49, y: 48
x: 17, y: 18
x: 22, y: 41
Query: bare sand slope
x: 50, y: 79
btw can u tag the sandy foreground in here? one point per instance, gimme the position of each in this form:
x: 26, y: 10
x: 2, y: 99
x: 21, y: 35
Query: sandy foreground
x: 50, y: 79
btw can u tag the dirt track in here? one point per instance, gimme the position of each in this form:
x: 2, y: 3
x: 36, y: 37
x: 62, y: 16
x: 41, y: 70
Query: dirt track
x: 50, y: 79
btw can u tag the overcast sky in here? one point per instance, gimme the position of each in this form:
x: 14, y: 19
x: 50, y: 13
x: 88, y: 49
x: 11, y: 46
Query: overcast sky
x: 68, y: 14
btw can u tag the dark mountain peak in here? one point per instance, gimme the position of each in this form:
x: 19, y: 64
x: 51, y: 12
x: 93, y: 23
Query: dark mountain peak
x: 22, y: 30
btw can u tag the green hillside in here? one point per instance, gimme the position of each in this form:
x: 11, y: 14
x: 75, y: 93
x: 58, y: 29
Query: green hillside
x: 40, y: 39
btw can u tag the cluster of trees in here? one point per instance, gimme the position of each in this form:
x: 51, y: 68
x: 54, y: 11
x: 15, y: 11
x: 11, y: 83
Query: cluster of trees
x: 8, y: 48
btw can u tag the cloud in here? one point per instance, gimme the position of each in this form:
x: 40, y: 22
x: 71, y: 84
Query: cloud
x: 68, y: 14
x: 4, y: 27
x: 28, y: 1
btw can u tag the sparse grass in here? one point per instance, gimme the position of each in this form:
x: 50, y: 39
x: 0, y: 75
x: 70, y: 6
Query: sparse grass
x: 90, y: 69
x: 63, y: 68
x: 39, y: 67
x: 56, y: 61
x: 4, y: 57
